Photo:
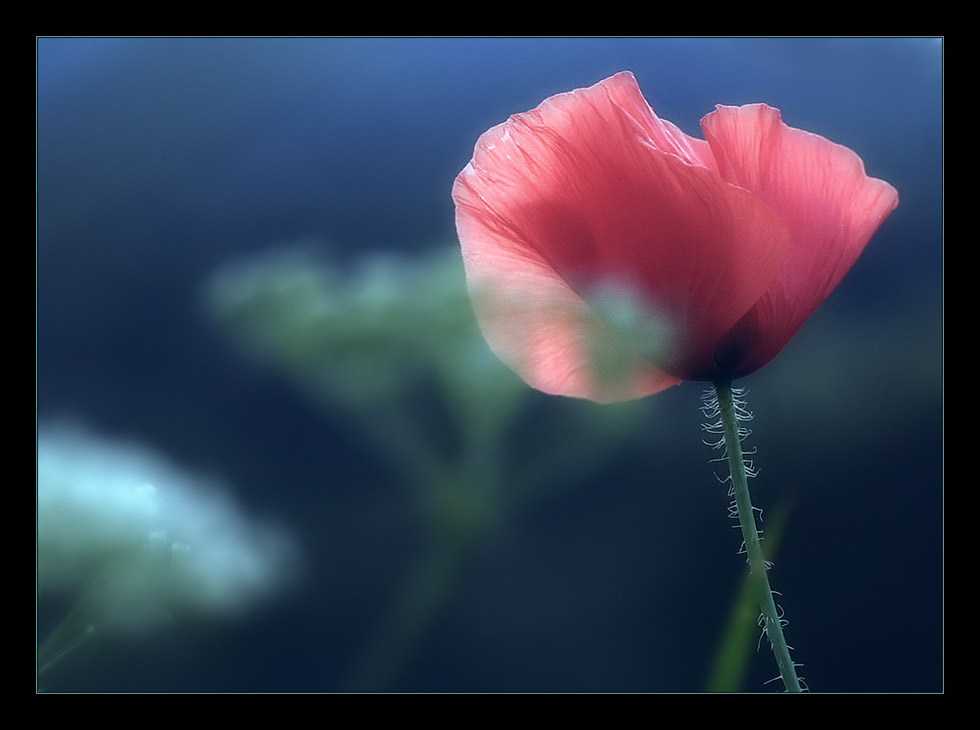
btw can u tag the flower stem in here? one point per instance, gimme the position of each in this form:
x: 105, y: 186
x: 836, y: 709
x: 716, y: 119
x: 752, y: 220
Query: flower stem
x: 758, y: 568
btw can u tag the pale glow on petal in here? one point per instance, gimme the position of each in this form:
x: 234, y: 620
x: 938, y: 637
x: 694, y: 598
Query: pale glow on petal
x: 545, y: 331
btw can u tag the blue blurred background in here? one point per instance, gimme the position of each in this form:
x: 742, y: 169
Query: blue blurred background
x: 160, y: 160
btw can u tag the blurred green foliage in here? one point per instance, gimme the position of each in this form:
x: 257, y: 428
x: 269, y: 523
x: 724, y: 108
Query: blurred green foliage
x: 392, y: 342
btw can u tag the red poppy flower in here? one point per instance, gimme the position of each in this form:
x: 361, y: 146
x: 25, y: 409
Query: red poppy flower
x: 610, y: 255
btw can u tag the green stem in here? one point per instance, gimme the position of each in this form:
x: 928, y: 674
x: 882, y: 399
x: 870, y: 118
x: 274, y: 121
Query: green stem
x: 414, y: 611
x: 758, y: 569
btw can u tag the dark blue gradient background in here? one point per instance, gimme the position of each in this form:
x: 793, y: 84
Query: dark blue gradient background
x: 160, y: 159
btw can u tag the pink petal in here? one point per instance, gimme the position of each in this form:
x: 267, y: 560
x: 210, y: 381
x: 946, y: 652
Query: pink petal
x: 541, y: 328
x: 589, y: 190
x: 821, y: 192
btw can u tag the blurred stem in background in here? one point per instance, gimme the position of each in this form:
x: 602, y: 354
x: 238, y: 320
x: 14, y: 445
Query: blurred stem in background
x: 392, y: 343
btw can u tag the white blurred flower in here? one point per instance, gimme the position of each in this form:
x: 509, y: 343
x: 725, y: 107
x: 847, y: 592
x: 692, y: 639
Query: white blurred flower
x: 137, y: 538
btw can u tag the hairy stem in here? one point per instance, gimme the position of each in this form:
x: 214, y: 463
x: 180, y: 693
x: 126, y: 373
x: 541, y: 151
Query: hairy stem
x: 758, y: 568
